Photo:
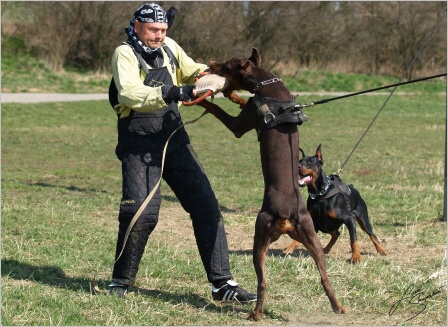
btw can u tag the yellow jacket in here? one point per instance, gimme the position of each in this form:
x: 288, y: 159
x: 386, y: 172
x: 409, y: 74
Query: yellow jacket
x: 132, y: 93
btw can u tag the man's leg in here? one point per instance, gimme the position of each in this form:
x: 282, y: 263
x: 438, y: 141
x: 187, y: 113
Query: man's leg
x: 139, y: 178
x: 187, y: 179
x: 190, y: 184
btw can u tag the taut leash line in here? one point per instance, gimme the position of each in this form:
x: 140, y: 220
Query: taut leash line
x: 371, y: 90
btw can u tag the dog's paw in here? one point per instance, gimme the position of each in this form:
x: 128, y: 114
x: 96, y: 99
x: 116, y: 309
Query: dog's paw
x: 291, y: 247
x: 235, y: 98
x: 356, y: 258
x: 255, y: 316
x: 340, y: 309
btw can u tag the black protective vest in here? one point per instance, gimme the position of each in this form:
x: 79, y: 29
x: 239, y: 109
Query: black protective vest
x: 155, y: 127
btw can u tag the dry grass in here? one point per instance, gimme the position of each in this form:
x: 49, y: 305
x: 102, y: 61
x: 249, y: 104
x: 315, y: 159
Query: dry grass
x: 415, y: 263
x: 60, y: 195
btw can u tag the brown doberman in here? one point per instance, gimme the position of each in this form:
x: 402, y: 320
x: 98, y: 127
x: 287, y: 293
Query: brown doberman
x: 332, y: 203
x: 275, y: 115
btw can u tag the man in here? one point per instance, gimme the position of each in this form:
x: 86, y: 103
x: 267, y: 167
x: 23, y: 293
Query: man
x: 148, y: 114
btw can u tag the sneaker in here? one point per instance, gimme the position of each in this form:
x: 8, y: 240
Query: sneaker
x: 232, y: 292
x: 118, y: 290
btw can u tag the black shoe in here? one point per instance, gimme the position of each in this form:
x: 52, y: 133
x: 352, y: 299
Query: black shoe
x: 118, y: 290
x: 232, y: 292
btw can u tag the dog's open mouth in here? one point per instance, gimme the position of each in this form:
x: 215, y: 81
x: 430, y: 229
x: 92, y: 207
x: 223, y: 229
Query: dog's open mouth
x: 305, y: 179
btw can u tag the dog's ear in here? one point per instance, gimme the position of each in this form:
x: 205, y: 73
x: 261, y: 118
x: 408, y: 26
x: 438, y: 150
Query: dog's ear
x: 303, y: 153
x: 255, y: 58
x: 245, y: 64
x: 319, y: 154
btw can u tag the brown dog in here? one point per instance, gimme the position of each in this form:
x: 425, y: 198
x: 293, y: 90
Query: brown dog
x: 275, y: 115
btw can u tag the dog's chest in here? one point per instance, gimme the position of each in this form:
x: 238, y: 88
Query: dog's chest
x: 323, y: 215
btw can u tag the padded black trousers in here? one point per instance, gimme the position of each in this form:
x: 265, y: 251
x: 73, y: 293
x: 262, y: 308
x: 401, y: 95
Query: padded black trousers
x: 141, y: 167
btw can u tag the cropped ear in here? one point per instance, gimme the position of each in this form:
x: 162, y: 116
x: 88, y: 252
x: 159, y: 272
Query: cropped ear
x: 319, y: 154
x: 255, y: 58
x: 245, y: 64
x: 303, y: 153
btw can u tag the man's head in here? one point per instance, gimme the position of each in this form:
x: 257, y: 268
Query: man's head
x: 150, y: 23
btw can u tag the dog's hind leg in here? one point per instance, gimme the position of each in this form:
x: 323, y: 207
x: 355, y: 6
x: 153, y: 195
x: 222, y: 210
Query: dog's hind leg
x: 262, y: 239
x: 369, y: 231
x: 308, y: 237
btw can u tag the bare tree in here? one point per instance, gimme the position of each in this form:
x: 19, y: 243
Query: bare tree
x: 346, y: 36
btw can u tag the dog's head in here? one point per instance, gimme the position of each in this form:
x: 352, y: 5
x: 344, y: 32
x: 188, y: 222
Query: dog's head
x: 310, y: 168
x: 237, y: 71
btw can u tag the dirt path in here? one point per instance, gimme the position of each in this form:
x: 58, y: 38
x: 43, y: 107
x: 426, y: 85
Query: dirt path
x: 49, y: 97
x: 67, y: 97
x: 175, y: 224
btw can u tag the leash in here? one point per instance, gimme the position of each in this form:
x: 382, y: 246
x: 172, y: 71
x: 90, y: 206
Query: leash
x: 425, y: 43
x: 312, y: 104
x: 95, y: 288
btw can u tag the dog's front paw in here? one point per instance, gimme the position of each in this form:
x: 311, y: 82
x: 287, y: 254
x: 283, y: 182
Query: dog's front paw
x: 290, y: 248
x: 235, y: 98
x: 356, y: 257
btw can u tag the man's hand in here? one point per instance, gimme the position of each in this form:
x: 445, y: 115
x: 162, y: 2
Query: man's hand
x: 174, y: 93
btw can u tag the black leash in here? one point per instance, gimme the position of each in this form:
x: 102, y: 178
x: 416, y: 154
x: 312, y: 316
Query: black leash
x: 371, y: 90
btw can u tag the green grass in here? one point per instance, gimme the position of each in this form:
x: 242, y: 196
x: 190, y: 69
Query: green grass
x: 22, y: 73
x: 315, y: 81
x: 61, y: 190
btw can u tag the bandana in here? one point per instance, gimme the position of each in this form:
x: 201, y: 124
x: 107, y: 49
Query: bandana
x: 149, y: 13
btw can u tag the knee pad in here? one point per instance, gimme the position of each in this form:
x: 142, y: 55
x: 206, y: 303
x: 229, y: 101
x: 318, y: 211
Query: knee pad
x: 149, y: 216
x: 206, y: 218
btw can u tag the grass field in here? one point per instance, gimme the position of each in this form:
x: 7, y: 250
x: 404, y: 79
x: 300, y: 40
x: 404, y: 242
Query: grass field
x: 61, y: 190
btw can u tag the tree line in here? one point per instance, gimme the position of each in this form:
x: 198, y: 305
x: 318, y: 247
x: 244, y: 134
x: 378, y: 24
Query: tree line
x: 368, y: 37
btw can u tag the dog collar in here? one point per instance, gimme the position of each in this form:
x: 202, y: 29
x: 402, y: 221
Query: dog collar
x: 314, y: 195
x: 269, y: 81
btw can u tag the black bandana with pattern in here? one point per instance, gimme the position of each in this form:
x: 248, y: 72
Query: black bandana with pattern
x: 149, y: 13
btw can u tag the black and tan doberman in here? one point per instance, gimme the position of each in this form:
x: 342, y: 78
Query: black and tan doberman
x: 332, y: 203
x: 275, y: 114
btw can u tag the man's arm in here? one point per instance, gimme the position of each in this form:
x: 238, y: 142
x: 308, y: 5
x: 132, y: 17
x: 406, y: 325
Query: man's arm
x: 132, y: 93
